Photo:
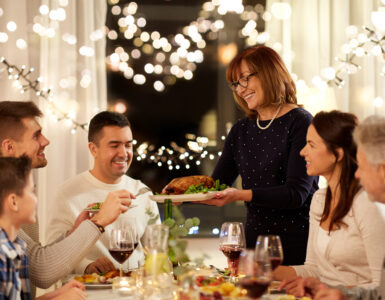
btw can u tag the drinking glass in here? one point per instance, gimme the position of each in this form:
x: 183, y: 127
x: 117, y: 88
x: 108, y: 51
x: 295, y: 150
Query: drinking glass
x: 232, y: 241
x: 255, y: 272
x: 155, y: 238
x: 155, y: 245
x: 272, y: 244
x: 121, y: 245
x: 132, y: 224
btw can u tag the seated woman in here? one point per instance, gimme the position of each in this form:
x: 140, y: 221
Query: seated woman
x: 345, y: 247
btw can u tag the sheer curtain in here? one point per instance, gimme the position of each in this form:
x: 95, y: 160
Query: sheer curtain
x: 313, y: 37
x: 72, y: 64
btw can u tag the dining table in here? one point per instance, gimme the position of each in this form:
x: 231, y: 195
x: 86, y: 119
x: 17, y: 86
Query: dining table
x: 107, y: 294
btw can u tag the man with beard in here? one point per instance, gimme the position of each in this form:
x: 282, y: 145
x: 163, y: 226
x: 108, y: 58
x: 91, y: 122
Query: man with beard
x: 21, y: 134
x: 111, y: 145
x: 370, y: 139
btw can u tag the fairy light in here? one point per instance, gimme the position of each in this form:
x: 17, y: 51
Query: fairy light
x: 22, y: 80
x: 177, y: 52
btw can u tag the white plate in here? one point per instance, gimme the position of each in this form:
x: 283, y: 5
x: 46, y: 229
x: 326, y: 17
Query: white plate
x: 88, y: 285
x: 184, y: 197
x: 97, y: 286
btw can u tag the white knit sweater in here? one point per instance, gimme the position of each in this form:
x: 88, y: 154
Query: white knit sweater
x: 79, y: 191
x: 355, y: 253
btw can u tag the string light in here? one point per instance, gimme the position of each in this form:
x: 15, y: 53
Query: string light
x: 368, y: 42
x: 23, y: 82
x: 178, y: 54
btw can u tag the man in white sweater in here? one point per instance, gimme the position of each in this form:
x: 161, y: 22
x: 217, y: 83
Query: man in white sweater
x: 370, y: 139
x: 111, y: 145
x: 21, y: 134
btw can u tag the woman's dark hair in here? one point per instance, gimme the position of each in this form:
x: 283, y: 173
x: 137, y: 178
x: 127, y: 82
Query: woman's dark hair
x: 278, y: 86
x: 14, y: 174
x: 336, y: 129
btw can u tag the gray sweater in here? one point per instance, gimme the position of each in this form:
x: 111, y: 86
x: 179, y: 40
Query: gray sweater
x: 48, y: 264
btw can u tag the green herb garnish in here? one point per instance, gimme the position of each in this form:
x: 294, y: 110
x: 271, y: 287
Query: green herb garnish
x: 193, y: 189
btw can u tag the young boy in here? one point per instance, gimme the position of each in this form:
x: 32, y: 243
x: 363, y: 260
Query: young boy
x: 17, y: 207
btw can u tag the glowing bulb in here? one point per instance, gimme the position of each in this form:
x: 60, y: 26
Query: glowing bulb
x: 139, y: 79
x: 44, y: 10
x: 21, y: 44
x: 378, y: 102
x: 159, y: 86
x: 3, y: 37
x: 11, y: 26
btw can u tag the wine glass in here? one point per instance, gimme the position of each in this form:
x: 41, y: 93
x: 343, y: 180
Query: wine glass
x: 133, y: 225
x: 232, y: 241
x: 272, y: 244
x: 155, y: 237
x: 255, y: 272
x: 121, y: 245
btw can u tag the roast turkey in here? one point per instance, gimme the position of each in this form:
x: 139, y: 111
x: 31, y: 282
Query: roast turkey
x: 179, y: 185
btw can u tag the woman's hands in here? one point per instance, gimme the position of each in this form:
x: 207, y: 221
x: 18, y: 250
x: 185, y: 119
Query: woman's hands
x: 229, y: 195
x: 310, y: 287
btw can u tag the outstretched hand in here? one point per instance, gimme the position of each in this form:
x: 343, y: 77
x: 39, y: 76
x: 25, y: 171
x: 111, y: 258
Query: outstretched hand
x: 227, y: 196
x: 117, y: 202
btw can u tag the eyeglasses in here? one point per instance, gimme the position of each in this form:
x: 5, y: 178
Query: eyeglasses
x: 241, y: 82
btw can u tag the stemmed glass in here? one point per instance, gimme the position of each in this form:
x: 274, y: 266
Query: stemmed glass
x: 131, y: 223
x: 272, y: 244
x: 255, y: 272
x: 121, y: 245
x: 232, y: 242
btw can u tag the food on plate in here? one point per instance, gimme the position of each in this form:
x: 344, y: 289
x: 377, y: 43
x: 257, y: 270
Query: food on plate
x: 291, y: 297
x: 208, y: 280
x: 101, y: 278
x: 193, y: 184
x: 226, y: 289
x: 94, y: 206
x: 180, y: 185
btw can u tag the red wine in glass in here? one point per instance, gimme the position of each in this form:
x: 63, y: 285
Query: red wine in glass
x: 255, y: 287
x: 275, y: 262
x: 232, y: 252
x: 121, y: 246
x: 121, y: 255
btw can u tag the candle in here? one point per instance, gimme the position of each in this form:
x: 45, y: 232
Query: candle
x: 124, y: 286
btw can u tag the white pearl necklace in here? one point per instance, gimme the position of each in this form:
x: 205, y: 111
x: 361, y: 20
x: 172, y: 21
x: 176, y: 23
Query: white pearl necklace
x: 271, y: 121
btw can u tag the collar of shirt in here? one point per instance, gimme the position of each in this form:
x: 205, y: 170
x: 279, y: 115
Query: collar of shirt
x: 12, y: 249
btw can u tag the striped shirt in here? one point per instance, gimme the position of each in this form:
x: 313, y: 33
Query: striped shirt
x: 14, y: 283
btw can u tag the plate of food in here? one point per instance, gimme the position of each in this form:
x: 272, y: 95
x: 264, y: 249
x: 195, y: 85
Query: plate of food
x: 95, y: 207
x: 190, y: 188
x: 97, y: 280
x: 217, y: 288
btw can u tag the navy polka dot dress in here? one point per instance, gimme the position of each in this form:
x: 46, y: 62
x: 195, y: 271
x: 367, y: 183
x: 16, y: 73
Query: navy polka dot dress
x: 269, y: 164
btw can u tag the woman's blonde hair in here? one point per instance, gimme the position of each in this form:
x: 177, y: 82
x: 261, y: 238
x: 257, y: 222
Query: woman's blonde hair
x: 277, y: 84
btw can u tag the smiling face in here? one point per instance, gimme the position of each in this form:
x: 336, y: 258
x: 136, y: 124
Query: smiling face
x: 253, y: 94
x: 32, y: 143
x: 319, y: 160
x: 113, y: 153
x: 371, y: 177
